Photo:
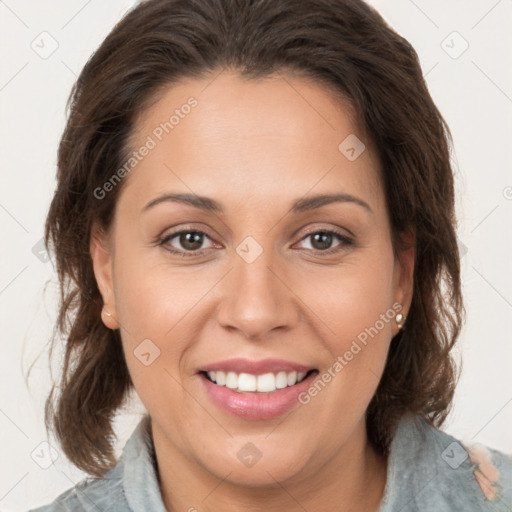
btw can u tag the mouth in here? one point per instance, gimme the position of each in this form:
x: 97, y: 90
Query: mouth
x: 256, y: 390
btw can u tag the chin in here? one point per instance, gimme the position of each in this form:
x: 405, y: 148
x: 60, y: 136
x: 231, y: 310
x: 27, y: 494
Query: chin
x: 255, y: 462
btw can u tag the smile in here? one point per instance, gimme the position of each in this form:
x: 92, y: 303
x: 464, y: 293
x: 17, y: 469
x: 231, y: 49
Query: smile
x: 256, y: 390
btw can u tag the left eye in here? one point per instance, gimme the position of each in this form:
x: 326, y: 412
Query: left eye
x: 323, y: 240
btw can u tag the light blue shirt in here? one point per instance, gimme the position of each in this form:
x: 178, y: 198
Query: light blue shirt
x: 428, y: 471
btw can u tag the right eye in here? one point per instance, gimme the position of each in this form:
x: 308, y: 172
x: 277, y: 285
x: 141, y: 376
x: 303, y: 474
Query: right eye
x: 190, y: 241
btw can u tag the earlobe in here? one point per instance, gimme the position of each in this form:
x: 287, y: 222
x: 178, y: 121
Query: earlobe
x: 101, y: 258
x: 108, y: 319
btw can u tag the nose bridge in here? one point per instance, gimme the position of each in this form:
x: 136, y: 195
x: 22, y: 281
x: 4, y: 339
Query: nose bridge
x: 256, y: 301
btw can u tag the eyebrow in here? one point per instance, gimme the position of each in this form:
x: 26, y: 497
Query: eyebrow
x: 301, y: 205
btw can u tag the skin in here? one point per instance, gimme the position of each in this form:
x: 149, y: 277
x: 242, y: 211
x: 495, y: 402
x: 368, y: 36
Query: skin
x: 255, y: 147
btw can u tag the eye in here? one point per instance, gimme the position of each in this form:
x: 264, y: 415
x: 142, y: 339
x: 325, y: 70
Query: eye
x: 321, y: 241
x: 188, y: 242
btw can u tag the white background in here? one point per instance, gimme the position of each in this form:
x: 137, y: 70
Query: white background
x: 474, y: 94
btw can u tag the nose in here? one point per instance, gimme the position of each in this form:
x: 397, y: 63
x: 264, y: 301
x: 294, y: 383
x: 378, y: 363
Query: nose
x: 257, y: 299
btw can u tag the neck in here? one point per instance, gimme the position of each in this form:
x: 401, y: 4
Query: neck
x: 352, y: 479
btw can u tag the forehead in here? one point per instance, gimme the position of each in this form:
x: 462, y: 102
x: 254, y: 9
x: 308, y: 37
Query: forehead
x: 226, y: 133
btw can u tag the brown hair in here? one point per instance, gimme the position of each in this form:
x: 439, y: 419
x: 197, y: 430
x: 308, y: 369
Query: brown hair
x: 343, y: 44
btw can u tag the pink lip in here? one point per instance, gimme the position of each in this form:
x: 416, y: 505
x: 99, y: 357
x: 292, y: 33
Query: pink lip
x: 240, y: 365
x: 256, y: 406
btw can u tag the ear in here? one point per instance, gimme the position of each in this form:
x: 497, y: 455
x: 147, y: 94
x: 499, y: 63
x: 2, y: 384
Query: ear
x: 404, y: 271
x: 102, y: 260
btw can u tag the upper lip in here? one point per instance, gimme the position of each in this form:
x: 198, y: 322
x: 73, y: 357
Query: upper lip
x: 253, y: 367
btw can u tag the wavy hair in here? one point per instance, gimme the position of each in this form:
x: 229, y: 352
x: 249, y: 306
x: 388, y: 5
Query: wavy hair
x: 344, y: 45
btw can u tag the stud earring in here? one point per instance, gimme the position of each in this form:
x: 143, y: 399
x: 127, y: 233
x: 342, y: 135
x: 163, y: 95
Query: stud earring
x: 106, y: 312
x: 400, y: 320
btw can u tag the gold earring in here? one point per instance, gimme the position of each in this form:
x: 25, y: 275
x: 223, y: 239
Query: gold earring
x: 400, y: 320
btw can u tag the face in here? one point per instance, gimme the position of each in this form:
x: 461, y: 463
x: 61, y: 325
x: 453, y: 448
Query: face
x: 255, y: 319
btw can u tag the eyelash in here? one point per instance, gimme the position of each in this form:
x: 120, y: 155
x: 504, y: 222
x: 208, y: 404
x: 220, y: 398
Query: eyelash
x: 345, y: 241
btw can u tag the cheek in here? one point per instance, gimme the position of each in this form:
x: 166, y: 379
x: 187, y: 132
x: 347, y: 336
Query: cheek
x: 353, y: 298
x: 155, y: 310
x: 152, y: 295
x: 161, y: 310
x: 356, y: 305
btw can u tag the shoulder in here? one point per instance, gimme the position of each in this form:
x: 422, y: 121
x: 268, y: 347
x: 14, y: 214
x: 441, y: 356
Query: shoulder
x: 130, y: 485
x: 103, y: 493
x: 429, y: 469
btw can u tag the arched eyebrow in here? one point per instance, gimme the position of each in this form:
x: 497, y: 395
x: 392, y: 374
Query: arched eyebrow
x: 201, y: 202
x: 313, y: 202
x: 300, y: 205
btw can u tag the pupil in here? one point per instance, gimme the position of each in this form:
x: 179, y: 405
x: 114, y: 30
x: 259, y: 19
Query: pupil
x: 322, y: 240
x: 191, y: 240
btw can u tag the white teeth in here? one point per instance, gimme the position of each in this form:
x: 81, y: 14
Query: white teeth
x: 281, y: 380
x: 220, y: 378
x: 246, y: 382
x: 292, y: 378
x: 232, y: 380
x: 265, y: 383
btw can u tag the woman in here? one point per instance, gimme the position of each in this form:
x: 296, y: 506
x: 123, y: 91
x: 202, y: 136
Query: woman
x: 254, y: 230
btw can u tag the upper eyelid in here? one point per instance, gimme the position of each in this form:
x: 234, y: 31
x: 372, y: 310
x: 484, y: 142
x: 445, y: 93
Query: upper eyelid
x: 337, y: 231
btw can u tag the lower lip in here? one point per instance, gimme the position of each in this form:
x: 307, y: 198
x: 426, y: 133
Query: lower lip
x: 256, y: 406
